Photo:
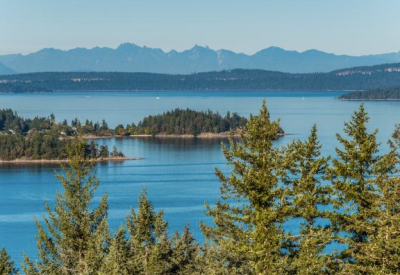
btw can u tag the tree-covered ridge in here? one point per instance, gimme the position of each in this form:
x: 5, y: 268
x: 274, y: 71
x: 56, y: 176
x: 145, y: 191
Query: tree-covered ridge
x: 351, y: 199
x: 376, y: 94
x: 360, y: 78
x: 190, y: 122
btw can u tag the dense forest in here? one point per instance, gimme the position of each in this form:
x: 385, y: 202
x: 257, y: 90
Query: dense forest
x: 375, y: 94
x: 190, y: 122
x: 349, y: 201
x: 178, y: 122
x: 41, y: 138
x: 45, y: 138
x: 360, y: 78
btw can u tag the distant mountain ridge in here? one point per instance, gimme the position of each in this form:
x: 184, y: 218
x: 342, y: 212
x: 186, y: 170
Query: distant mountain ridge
x: 132, y: 58
x: 4, y: 70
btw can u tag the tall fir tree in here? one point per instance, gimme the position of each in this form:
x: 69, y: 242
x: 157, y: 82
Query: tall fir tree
x: 353, y: 175
x: 148, y: 238
x: 74, y: 237
x: 185, y: 254
x: 151, y: 251
x: 309, y: 196
x: 6, y: 264
x: 381, y: 254
x: 247, y: 235
x: 118, y: 260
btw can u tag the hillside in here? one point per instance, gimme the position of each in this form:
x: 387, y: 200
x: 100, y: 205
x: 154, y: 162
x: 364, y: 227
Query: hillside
x: 4, y: 70
x: 359, y: 78
x: 132, y: 58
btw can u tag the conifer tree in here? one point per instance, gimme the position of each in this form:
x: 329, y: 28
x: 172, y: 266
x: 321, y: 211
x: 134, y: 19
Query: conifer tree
x: 74, y: 236
x: 185, y: 255
x: 148, y: 238
x: 118, y: 259
x: 381, y: 254
x: 352, y: 175
x: 6, y: 264
x: 247, y: 238
x: 308, y: 194
x: 151, y: 251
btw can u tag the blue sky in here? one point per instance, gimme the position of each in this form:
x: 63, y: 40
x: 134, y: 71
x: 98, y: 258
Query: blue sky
x: 352, y: 27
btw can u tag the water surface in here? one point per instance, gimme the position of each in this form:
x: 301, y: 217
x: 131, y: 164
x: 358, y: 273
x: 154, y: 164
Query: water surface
x: 177, y: 173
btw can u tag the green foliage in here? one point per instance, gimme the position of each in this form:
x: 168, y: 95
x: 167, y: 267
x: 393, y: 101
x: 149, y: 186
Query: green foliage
x: 74, y: 237
x: 352, y: 199
x: 308, y: 195
x: 43, y: 138
x: 119, y: 258
x: 249, y: 237
x: 190, y: 122
x: 153, y: 252
x: 6, y: 265
x: 269, y: 186
x: 148, y: 249
x: 352, y: 175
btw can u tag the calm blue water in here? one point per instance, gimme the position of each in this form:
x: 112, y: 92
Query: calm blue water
x: 177, y: 173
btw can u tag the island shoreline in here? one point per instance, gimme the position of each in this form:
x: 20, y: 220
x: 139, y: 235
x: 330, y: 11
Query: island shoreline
x: 59, y: 161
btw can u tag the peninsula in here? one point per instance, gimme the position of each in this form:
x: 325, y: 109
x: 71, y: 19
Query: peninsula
x: 389, y: 94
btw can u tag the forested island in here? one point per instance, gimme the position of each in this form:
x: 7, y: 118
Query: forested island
x: 360, y: 78
x: 190, y: 122
x: 375, y: 94
x: 43, y: 138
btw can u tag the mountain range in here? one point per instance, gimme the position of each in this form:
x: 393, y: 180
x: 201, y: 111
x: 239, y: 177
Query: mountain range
x: 4, y: 70
x: 132, y: 58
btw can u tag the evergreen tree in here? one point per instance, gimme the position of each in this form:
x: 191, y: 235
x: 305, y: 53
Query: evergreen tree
x: 74, y: 237
x: 247, y: 238
x: 353, y: 175
x: 118, y: 259
x: 185, y: 254
x: 381, y: 255
x: 148, y: 238
x: 6, y: 265
x: 151, y: 251
x: 308, y: 195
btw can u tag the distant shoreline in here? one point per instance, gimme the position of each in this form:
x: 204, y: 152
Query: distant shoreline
x: 185, y: 90
x: 368, y: 99
x: 27, y: 161
x: 201, y: 135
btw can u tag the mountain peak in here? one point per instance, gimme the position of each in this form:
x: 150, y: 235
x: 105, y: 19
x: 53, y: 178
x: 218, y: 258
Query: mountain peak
x: 128, y: 46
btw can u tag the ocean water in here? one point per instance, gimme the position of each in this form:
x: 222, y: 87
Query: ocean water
x: 178, y: 174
